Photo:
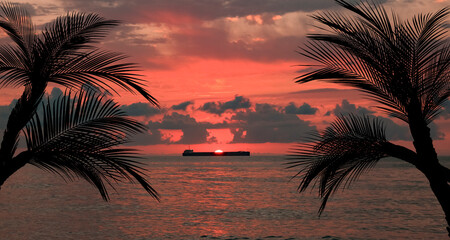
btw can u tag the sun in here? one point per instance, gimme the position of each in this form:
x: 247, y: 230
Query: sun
x: 218, y: 151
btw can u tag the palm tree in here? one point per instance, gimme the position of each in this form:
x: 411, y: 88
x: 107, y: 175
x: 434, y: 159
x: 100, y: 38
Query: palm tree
x: 404, y: 67
x: 75, y: 136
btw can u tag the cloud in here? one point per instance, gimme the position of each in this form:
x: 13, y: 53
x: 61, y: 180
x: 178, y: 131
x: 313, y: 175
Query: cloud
x: 202, y: 28
x: 174, y: 121
x: 142, y: 42
x: 259, y: 124
x: 445, y: 111
x: 267, y: 123
x: 193, y: 132
x: 140, y: 109
x: 239, y: 102
x: 217, y: 42
x: 55, y: 93
x: 190, y: 10
x: 264, y: 123
x: 394, y: 131
x: 134, y: 109
x: 182, y: 106
x: 346, y: 107
x: 5, y: 111
x: 151, y: 137
x: 400, y: 131
x: 435, y: 133
x: 304, y: 109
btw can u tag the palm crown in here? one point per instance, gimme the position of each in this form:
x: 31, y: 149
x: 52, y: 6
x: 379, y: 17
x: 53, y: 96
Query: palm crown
x: 77, y: 134
x: 403, y: 65
x: 63, y: 54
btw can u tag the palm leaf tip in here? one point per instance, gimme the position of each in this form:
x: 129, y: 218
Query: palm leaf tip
x: 341, y: 153
x: 77, y: 135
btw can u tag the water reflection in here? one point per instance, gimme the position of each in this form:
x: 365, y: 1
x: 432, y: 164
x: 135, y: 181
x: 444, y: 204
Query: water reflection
x: 220, y: 198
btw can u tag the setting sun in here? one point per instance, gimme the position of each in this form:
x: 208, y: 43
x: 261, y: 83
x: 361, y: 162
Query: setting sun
x: 218, y: 151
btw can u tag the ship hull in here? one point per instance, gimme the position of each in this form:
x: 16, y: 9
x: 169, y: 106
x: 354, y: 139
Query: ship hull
x: 242, y: 153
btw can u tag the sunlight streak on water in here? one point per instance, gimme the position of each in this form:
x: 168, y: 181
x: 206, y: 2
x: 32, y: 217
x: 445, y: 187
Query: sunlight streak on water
x: 221, y: 198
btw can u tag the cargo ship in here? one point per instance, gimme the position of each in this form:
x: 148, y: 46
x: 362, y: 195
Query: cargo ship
x: 190, y: 152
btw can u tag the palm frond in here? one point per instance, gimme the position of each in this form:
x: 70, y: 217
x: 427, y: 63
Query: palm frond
x: 100, y: 69
x: 13, y: 71
x: 16, y: 61
x: 17, y: 23
x: 77, y: 135
x: 72, y: 61
x: 435, y: 84
x: 350, y: 146
x: 69, y: 34
x: 64, y: 54
x: 393, y: 62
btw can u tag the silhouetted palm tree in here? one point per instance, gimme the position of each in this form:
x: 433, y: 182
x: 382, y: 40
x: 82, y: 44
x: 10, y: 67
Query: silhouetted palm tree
x: 76, y: 135
x: 401, y: 65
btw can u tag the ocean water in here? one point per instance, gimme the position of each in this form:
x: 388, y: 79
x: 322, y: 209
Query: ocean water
x: 222, y: 198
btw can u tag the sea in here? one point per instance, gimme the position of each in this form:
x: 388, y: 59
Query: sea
x: 222, y: 198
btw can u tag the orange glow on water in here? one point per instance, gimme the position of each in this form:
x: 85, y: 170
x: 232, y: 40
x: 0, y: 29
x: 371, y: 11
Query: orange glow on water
x: 219, y: 198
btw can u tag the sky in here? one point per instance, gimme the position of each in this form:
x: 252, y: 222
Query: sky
x: 223, y: 72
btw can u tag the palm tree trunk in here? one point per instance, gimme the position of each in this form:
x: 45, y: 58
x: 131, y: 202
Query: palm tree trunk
x: 18, y: 162
x: 439, y: 178
x: 22, y: 112
x: 428, y: 163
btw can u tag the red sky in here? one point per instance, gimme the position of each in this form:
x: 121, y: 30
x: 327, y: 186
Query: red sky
x: 223, y: 72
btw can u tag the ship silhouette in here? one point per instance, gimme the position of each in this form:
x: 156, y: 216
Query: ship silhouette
x: 190, y: 152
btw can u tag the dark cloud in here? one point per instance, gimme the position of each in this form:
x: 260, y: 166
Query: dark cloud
x: 346, y: 107
x: 400, y: 131
x: 208, y: 42
x: 151, y: 137
x: 268, y: 123
x: 199, y: 40
x: 134, y: 109
x: 140, y: 109
x: 31, y: 9
x: 304, y: 109
x: 182, y: 106
x: 143, y: 48
x: 211, y: 107
x: 56, y: 92
x: 5, y: 111
x: 193, y: 132
x: 445, y: 111
x: 435, y: 133
x: 194, y: 135
x: 174, y: 121
x: 187, y: 10
x: 239, y: 102
x: 265, y: 123
x: 35, y: 9
x: 394, y: 131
